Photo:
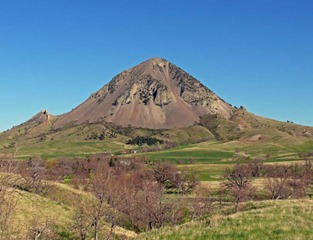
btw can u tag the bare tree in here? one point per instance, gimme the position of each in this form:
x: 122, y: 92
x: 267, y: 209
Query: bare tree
x: 202, y: 202
x: 81, y: 221
x: 237, y: 183
x: 34, y: 175
x: 92, y: 215
x: 288, y: 181
x: 163, y: 172
x: 100, y: 186
x: 185, y: 181
x: 256, y: 167
x: 277, y: 186
x: 146, y: 204
x: 41, y: 229
x: 149, y: 208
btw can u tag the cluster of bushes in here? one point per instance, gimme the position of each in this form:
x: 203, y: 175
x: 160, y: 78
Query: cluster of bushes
x: 95, y: 136
x: 144, y: 140
x: 100, y: 136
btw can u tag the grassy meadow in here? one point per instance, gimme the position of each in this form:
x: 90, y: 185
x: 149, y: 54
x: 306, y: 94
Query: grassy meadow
x: 196, y: 150
x: 53, y: 209
x: 211, y: 158
x: 287, y: 219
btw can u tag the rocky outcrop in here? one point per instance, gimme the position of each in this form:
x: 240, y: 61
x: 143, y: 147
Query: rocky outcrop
x: 41, y: 117
x: 146, y: 90
x: 154, y: 94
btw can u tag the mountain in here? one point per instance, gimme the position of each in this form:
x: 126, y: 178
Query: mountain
x: 153, y: 99
x: 155, y: 94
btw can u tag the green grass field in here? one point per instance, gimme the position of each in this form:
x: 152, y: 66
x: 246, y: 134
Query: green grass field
x: 222, y: 153
x: 210, y: 159
x: 287, y: 220
x: 54, y: 149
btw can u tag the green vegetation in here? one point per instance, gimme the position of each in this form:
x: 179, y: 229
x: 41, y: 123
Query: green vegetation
x: 187, y: 154
x: 287, y: 220
x: 214, y: 152
x: 139, y: 140
x: 54, y: 149
x: 211, y: 158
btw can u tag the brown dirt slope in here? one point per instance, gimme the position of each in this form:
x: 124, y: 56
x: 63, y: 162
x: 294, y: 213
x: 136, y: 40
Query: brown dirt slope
x: 154, y: 94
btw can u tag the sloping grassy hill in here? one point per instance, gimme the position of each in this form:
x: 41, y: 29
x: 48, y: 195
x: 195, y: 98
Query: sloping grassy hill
x: 54, y: 210
x: 287, y: 220
x: 219, y: 139
x: 43, y: 140
x: 216, y: 152
x: 34, y: 211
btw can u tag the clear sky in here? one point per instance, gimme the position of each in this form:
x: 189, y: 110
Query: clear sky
x: 255, y: 53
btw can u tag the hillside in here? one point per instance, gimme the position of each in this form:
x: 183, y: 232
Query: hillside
x: 286, y: 220
x: 153, y: 99
x: 49, y: 214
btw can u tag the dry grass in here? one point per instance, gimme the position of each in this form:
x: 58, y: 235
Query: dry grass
x: 55, y: 210
x: 288, y: 220
x: 33, y: 211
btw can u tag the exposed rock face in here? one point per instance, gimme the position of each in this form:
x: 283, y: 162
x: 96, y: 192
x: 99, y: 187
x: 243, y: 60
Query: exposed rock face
x: 154, y: 94
x: 41, y: 117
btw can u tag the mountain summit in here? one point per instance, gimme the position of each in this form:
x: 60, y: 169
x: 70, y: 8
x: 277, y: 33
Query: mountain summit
x: 154, y: 94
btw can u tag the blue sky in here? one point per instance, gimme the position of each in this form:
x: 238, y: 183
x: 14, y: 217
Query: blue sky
x: 255, y: 53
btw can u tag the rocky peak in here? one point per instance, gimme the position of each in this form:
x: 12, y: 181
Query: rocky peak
x: 41, y: 117
x: 153, y: 94
x: 153, y: 82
